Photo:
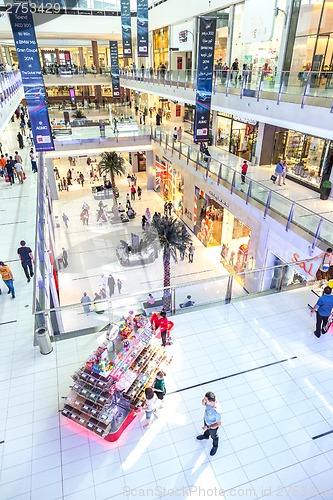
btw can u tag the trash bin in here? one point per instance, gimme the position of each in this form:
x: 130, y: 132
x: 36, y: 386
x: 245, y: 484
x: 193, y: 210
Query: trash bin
x: 43, y: 340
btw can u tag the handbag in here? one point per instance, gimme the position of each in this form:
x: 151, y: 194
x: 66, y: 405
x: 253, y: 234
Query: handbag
x: 273, y: 178
x: 7, y: 178
x: 24, y: 176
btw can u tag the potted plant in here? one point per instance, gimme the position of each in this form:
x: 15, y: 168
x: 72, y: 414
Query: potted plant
x: 325, y: 190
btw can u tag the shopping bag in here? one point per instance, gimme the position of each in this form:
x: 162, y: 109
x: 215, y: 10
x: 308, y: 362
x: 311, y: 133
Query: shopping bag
x: 273, y: 178
x: 24, y: 176
x: 7, y: 178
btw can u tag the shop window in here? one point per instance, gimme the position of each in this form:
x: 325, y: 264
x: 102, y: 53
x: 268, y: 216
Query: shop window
x: 326, y: 25
x: 309, y: 17
x: 303, y: 55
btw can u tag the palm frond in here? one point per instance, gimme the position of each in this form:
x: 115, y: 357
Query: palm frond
x: 112, y: 163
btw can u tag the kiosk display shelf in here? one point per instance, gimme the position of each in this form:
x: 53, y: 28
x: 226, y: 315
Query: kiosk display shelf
x: 108, y: 392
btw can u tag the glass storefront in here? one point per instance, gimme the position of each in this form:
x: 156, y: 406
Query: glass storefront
x: 161, y: 47
x: 304, y: 154
x: 313, y: 47
x: 169, y: 183
x: 216, y: 226
x: 257, y: 54
x: 237, y: 135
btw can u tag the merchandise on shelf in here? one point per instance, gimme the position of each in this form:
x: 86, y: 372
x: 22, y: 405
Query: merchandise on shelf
x: 108, y: 391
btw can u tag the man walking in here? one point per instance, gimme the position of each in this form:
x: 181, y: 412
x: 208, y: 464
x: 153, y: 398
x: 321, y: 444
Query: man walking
x: 212, y: 420
x: 244, y: 171
x: 33, y: 158
x: 191, y: 253
x: 111, y: 284
x: 64, y: 257
x: 65, y: 218
x: 26, y: 258
x: 10, y: 170
x: 323, y: 309
x: 7, y: 277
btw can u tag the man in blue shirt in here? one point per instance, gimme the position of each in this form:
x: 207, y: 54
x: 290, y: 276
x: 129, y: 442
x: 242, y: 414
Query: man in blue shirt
x: 323, y: 309
x: 278, y: 173
x: 212, y: 420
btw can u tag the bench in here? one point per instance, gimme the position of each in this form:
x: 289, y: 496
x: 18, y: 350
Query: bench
x: 157, y: 303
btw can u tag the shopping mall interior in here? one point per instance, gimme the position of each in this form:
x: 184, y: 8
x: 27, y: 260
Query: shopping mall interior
x: 132, y: 121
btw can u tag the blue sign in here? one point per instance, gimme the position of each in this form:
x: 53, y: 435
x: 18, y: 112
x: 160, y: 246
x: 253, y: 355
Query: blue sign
x: 126, y: 29
x: 142, y: 27
x: 32, y: 78
x: 115, y: 69
x: 207, y: 31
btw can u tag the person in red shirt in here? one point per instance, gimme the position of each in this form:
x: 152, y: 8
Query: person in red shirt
x: 244, y: 171
x: 160, y: 321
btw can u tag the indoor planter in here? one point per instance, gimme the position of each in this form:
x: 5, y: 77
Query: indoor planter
x: 325, y: 190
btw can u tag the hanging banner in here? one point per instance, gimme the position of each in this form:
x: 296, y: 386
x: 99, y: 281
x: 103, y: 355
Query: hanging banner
x: 126, y: 29
x: 33, y: 83
x: 115, y: 77
x: 207, y: 31
x: 142, y: 27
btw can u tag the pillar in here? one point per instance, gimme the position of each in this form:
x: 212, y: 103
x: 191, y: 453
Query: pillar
x: 8, y: 56
x: 57, y: 56
x: 150, y: 169
x: 98, y: 93
x: 214, y: 127
x: 43, y: 57
x: 94, y: 47
x: 2, y: 56
x: 81, y: 57
x: 265, y: 144
x: 231, y: 21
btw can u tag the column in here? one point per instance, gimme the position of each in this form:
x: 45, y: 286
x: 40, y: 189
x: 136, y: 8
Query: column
x: 43, y: 57
x: 231, y: 21
x: 2, y: 56
x: 98, y: 93
x: 81, y: 57
x: 214, y: 127
x: 8, y: 56
x: 265, y: 144
x: 150, y: 169
x: 94, y: 47
x: 57, y: 56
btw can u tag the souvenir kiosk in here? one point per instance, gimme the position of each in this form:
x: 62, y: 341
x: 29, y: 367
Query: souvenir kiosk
x: 108, y: 391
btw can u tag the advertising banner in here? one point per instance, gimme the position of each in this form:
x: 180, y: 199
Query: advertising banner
x: 207, y: 31
x: 126, y: 29
x: 142, y: 27
x: 115, y: 69
x: 28, y: 58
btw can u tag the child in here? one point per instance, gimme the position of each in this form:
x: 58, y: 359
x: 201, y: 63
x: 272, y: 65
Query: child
x: 159, y: 386
x: 150, y: 405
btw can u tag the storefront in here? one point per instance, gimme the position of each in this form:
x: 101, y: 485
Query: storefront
x: 169, y: 183
x: 214, y: 225
x: 189, y: 118
x: 161, y: 47
x: 237, y: 135
x: 305, y: 155
x: 313, y: 44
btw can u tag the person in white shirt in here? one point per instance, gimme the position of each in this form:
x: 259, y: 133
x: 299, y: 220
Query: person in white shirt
x: 33, y: 158
x: 19, y: 172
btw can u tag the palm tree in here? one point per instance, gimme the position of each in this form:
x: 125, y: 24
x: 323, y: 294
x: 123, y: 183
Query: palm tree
x: 112, y: 164
x: 172, y: 235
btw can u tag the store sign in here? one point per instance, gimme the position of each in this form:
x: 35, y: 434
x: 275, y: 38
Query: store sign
x: 207, y: 31
x: 259, y: 20
x: 183, y: 36
x: 224, y: 115
x: 218, y: 199
x: 115, y: 77
x: 32, y: 78
x: 126, y: 29
x: 142, y: 27
x: 245, y: 120
x: 307, y: 267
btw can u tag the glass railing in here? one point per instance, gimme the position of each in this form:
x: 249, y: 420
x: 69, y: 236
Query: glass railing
x: 311, y: 87
x: 95, y: 316
x: 10, y: 82
x: 254, y: 192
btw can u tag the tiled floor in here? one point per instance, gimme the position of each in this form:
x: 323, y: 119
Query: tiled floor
x: 272, y: 376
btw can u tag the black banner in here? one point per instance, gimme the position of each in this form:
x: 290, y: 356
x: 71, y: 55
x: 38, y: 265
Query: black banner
x: 207, y: 31
x: 142, y: 27
x: 126, y: 29
x: 115, y: 69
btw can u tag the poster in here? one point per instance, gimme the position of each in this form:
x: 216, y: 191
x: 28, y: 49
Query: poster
x: 28, y: 58
x: 126, y: 29
x: 142, y: 27
x: 259, y: 18
x: 115, y: 69
x: 207, y: 30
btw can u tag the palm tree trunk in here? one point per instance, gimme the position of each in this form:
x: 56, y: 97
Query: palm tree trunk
x: 166, y: 283
x: 116, y: 216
